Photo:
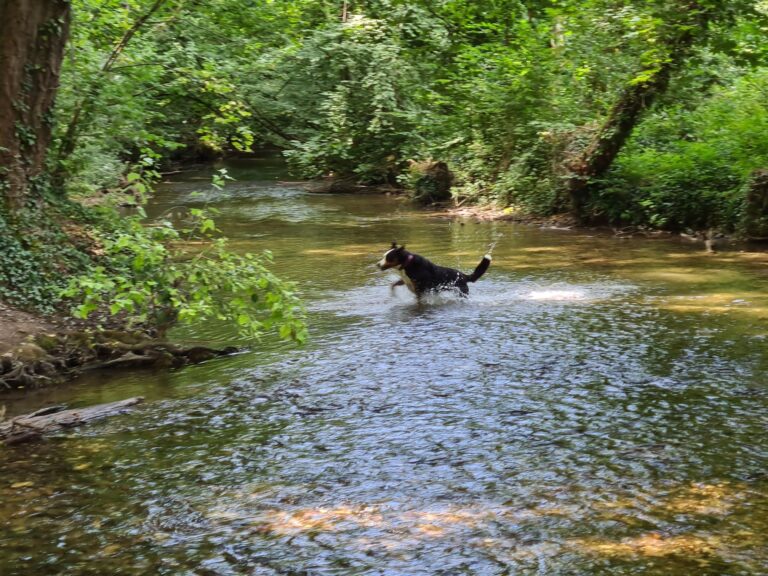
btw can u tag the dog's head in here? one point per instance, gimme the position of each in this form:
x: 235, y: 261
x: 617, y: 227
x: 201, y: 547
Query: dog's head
x: 394, y: 257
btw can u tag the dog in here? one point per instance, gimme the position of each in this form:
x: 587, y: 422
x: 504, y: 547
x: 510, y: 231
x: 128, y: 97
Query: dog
x: 422, y: 276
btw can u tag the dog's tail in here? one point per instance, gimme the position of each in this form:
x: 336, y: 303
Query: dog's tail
x: 481, y: 268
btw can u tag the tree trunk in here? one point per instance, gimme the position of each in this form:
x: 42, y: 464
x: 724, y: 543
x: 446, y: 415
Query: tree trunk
x: 33, y: 34
x: 635, y: 99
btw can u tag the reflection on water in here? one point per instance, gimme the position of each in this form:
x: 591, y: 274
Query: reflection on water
x: 594, y: 407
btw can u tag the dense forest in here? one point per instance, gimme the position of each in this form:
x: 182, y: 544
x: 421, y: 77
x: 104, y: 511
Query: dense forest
x: 651, y: 114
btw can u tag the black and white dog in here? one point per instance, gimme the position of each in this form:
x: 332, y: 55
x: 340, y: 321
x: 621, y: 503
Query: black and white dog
x: 420, y: 275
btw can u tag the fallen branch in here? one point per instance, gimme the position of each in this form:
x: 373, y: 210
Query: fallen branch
x: 32, y: 426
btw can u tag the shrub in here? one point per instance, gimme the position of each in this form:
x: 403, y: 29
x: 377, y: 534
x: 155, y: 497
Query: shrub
x: 152, y: 276
x: 687, y: 169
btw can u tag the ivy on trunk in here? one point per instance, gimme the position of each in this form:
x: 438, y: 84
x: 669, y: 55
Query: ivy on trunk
x: 33, y: 34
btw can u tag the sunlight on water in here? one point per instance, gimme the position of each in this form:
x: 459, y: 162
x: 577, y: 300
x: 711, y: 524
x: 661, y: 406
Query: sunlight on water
x: 375, y: 298
x: 592, y: 407
x: 557, y: 295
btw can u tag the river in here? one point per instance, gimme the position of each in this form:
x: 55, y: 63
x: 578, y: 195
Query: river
x: 597, y: 406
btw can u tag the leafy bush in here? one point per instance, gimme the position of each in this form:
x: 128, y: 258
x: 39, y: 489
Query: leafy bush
x: 354, y: 84
x: 152, y: 276
x: 687, y: 169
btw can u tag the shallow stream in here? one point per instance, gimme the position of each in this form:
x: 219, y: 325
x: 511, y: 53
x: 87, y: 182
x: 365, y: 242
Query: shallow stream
x: 597, y: 406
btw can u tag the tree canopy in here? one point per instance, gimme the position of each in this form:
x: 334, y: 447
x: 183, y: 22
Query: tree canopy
x: 530, y: 103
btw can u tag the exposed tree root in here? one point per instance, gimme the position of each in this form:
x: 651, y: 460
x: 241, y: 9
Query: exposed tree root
x: 53, y: 358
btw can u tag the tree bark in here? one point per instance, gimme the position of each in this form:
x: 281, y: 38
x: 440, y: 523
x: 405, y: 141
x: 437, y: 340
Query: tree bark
x: 33, y: 34
x: 636, y: 98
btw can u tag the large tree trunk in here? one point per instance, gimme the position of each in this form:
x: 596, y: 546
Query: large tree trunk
x: 33, y: 34
x: 636, y: 98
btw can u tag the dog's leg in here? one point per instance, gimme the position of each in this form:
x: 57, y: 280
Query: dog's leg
x: 396, y: 284
x: 463, y: 290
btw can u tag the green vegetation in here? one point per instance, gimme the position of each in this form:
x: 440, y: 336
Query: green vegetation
x: 155, y: 278
x: 688, y: 167
x: 619, y: 111
x: 642, y: 113
x: 36, y: 259
x: 105, y: 137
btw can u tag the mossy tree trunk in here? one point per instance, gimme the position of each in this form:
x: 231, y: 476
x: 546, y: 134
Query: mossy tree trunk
x: 637, y: 97
x: 33, y: 34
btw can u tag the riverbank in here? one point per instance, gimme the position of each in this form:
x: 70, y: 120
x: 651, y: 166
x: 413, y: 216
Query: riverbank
x: 37, y: 351
x: 24, y: 360
x: 710, y: 240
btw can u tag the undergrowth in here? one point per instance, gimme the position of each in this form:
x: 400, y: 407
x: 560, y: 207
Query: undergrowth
x: 99, y: 261
x: 37, y: 256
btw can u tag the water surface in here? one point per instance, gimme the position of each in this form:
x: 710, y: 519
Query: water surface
x: 597, y: 406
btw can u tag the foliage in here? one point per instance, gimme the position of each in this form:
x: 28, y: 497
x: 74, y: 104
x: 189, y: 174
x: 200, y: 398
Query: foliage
x: 356, y: 87
x: 158, y: 276
x: 510, y: 94
x: 36, y: 256
x: 687, y: 168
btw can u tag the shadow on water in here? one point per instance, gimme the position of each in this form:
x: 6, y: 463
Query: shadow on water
x: 595, y: 407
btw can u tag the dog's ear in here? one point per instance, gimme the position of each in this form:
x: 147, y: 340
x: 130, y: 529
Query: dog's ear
x: 394, y: 245
x: 402, y: 247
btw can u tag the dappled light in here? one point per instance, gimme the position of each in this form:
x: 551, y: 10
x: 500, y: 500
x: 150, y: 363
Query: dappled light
x: 655, y: 545
x: 581, y: 410
x: 736, y: 304
x: 383, y: 288
x: 385, y: 527
x: 707, y: 507
x: 407, y: 526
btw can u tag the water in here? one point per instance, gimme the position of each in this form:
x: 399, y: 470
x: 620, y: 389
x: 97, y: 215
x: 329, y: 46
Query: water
x: 597, y: 406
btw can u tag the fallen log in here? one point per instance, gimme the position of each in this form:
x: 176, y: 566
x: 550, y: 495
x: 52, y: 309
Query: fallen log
x: 32, y: 426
